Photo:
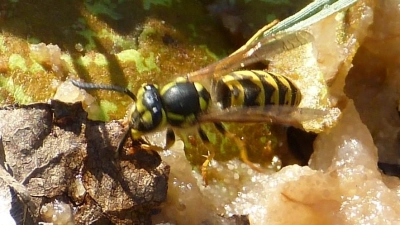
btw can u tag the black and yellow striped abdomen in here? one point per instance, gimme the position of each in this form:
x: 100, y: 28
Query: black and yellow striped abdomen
x: 255, y: 88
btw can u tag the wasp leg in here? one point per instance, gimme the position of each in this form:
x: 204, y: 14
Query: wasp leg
x: 210, y: 156
x: 125, y: 123
x: 149, y: 147
x: 121, y: 143
x: 241, y: 146
x: 170, y: 140
x: 144, y: 146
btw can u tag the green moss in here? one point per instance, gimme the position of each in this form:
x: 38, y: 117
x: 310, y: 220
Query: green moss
x: 192, y: 27
x: 16, y: 61
x: 104, y: 7
x: 96, y: 58
x: 150, y: 62
x: 86, y: 33
x: 89, y: 35
x: 147, y: 32
x: 100, y: 60
x: 16, y: 90
x: 3, y: 47
x: 211, y: 54
x: 33, y: 40
x: 142, y: 64
x: 84, y: 60
x: 68, y: 62
x: 118, y: 41
x: 106, y: 108
x: 36, y: 68
x: 263, y: 140
x: 148, y: 3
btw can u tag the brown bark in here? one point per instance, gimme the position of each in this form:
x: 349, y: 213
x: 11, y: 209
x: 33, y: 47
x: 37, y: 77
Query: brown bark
x: 52, y: 152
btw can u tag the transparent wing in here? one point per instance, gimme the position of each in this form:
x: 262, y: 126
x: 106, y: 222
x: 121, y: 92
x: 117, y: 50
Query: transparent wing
x: 252, y: 52
x: 285, y: 115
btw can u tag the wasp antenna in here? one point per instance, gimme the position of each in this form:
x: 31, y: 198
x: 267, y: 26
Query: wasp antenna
x: 92, y: 86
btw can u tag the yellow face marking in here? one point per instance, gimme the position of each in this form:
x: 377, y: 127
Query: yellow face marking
x: 147, y: 117
x: 131, y: 109
x: 139, y: 105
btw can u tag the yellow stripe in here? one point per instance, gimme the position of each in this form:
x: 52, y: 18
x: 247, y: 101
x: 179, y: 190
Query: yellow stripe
x: 198, y: 86
x: 298, y: 97
x: 163, y: 121
x: 181, y: 80
x: 294, y: 89
x: 203, y: 104
x: 166, y: 88
x: 174, y: 116
x: 136, y: 134
x: 274, y: 98
x: 236, y: 100
x: 147, y: 117
x: 288, y: 95
x: 256, y: 77
x: 140, y: 107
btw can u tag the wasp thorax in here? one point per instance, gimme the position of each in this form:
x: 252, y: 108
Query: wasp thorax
x: 184, y: 101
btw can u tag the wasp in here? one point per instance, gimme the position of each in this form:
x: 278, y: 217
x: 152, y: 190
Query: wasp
x: 239, y: 96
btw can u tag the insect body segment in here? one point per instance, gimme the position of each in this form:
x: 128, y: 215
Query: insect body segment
x: 255, y: 88
x: 147, y: 114
x: 184, y: 101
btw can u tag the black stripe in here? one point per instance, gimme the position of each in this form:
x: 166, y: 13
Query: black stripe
x: 203, y: 135
x: 251, y: 92
x: 282, y: 89
x: 294, y: 93
x: 268, y: 88
x: 220, y: 127
x: 223, y: 95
